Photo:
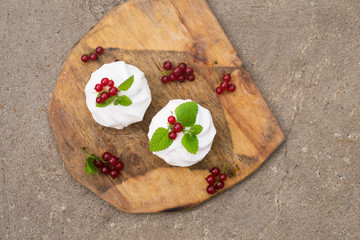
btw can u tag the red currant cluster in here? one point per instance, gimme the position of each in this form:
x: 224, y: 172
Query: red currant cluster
x: 107, y: 89
x: 225, y: 85
x: 176, y: 127
x: 216, y: 179
x: 109, y: 164
x: 180, y: 72
x: 92, y: 55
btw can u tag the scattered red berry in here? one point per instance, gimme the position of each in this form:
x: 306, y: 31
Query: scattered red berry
x: 227, y: 77
x: 110, y: 83
x: 85, y: 58
x: 215, y: 171
x: 99, y: 100
x: 165, y: 79
x: 167, y: 65
x: 113, y: 91
x: 98, y: 163
x: 99, y: 50
x: 210, y: 179
x: 211, y: 189
x: 106, y: 156
x: 224, y: 85
x: 104, y: 81
x: 93, y: 56
x: 177, y: 71
x: 191, y: 77
x: 189, y: 71
x: 172, y: 135
x: 171, y: 119
x: 231, y: 87
x: 182, y: 66
x: 222, y: 177
x: 219, y: 185
x: 98, y: 87
x: 181, y: 78
x: 114, y: 173
x: 104, y: 96
x: 173, y: 77
x: 178, y: 127
x: 113, y: 161
x: 105, y: 170
x: 120, y: 165
x: 218, y: 91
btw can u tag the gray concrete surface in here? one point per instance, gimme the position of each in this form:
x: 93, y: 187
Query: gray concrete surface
x: 304, y: 57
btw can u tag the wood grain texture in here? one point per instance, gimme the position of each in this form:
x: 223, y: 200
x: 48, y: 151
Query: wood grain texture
x: 144, y: 33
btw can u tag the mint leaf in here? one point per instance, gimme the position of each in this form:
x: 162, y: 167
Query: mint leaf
x: 126, y: 84
x: 123, y: 101
x: 190, y: 143
x: 195, y: 130
x: 186, y: 113
x: 160, y: 140
x: 106, y: 103
x: 90, y: 167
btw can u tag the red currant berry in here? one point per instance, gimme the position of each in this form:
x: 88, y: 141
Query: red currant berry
x: 111, y: 83
x: 219, y: 185
x: 173, y: 77
x: 215, y: 171
x: 189, y: 71
x: 223, y: 85
x: 99, y: 100
x: 105, y: 170
x: 167, y: 65
x: 178, y: 127
x: 182, y: 66
x: 85, y: 58
x: 172, y: 135
x: 114, y: 173
x: 104, y: 81
x: 99, y: 50
x: 171, y: 119
x: 106, y: 156
x: 165, y: 79
x: 211, y: 189
x: 210, y: 179
x: 177, y: 71
x: 231, y: 87
x: 191, y: 77
x: 98, y: 87
x: 222, y: 177
x: 218, y: 91
x: 119, y: 166
x: 181, y: 78
x: 104, y: 96
x: 113, y: 91
x: 98, y: 163
x: 227, y: 78
x: 93, y: 56
x: 113, y: 161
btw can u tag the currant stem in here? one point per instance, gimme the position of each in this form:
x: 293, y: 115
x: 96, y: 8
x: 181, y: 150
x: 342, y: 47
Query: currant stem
x: 225, y: 168
x: 84, y: 149
x: 217, y: 76
x: 165, y: 72
x: 91, y: 51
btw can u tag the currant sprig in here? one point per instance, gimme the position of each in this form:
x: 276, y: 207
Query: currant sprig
x: 225, y: 83
x: 92, y: 55
x: 216, y: 179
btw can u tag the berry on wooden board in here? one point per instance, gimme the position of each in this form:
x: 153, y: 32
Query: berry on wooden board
x: 180, y: 72
x: 92, y: 55
x: 217, y: 179
x: 107, y: 164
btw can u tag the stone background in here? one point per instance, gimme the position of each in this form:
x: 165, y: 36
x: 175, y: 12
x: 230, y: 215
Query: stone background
x: 304, y: 57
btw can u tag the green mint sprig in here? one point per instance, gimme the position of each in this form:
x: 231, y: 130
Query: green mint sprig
x: 122, y: 100
x: 90, y: 167
x: 185, y: 114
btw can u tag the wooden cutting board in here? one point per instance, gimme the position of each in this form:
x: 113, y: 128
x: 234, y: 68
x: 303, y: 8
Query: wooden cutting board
x: 145, y: 33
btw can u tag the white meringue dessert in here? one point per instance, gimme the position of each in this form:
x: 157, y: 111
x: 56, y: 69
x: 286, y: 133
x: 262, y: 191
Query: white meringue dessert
x: 176, y: 154
x: 118, y: 116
